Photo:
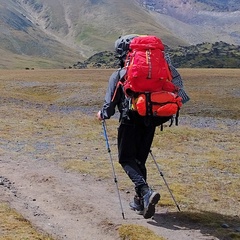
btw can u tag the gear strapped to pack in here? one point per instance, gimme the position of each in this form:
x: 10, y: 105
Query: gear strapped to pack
x: 148, y: 80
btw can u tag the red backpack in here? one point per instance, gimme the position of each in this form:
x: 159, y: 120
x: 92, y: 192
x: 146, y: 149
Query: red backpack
x: 148, y: 79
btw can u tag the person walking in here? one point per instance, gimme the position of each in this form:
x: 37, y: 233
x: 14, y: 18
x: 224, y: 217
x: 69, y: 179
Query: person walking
x: 135, y: 137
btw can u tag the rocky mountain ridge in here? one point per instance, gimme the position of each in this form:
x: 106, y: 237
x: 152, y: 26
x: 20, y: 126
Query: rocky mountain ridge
x: 164, y: 6
x: 198, y: 21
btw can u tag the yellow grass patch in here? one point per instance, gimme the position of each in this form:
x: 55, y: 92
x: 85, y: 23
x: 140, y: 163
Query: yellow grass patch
x: 136, y: 232
x: 14, y: 226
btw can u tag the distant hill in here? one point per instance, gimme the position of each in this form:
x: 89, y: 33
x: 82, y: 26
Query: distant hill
x: 205, y: 55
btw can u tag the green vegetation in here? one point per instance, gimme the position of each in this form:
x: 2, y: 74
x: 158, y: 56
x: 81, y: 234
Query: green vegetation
x: 205, y: 55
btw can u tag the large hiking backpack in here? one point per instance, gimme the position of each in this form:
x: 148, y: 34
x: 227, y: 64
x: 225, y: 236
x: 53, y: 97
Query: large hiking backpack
x: 148, y: 80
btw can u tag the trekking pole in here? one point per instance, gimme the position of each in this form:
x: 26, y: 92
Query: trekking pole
x: 111, y: 160
x: 161, y: 173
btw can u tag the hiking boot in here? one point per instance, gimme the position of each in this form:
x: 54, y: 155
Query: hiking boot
x: 137, y: 205
x: 150, y: 199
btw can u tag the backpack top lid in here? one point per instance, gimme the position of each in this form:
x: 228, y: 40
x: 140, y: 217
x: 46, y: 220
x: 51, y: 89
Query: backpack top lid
x: 145, y: 42
x: 122, y: 45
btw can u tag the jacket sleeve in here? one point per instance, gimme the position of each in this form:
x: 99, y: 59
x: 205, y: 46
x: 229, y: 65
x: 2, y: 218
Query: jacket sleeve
x: 177, y: 80
x: 111, y: 97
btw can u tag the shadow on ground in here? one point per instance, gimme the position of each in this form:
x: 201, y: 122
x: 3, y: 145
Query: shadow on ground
x: 208, y: 223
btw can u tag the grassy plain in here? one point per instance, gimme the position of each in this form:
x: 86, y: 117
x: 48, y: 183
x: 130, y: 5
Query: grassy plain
x: 50, y: 114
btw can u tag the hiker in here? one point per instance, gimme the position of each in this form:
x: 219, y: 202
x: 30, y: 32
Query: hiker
x: 135, y: 137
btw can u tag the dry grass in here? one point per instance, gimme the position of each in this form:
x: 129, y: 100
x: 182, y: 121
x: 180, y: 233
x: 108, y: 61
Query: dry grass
x: 202, y: 160
x: 13, y: 226
x: 213, y: 92
x: 136, y: 232
x: 50, y: 114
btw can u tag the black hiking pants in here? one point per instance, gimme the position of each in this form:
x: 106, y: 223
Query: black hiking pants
x: 134, y: 142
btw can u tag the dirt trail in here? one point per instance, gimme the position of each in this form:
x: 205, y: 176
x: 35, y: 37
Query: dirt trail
x: 71, y: 206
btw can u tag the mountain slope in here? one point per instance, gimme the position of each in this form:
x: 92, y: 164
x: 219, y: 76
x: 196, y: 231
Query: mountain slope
x: 92, y: 26
x: 21, y: 42
x: 197, y: 21
x: 57, y: 33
